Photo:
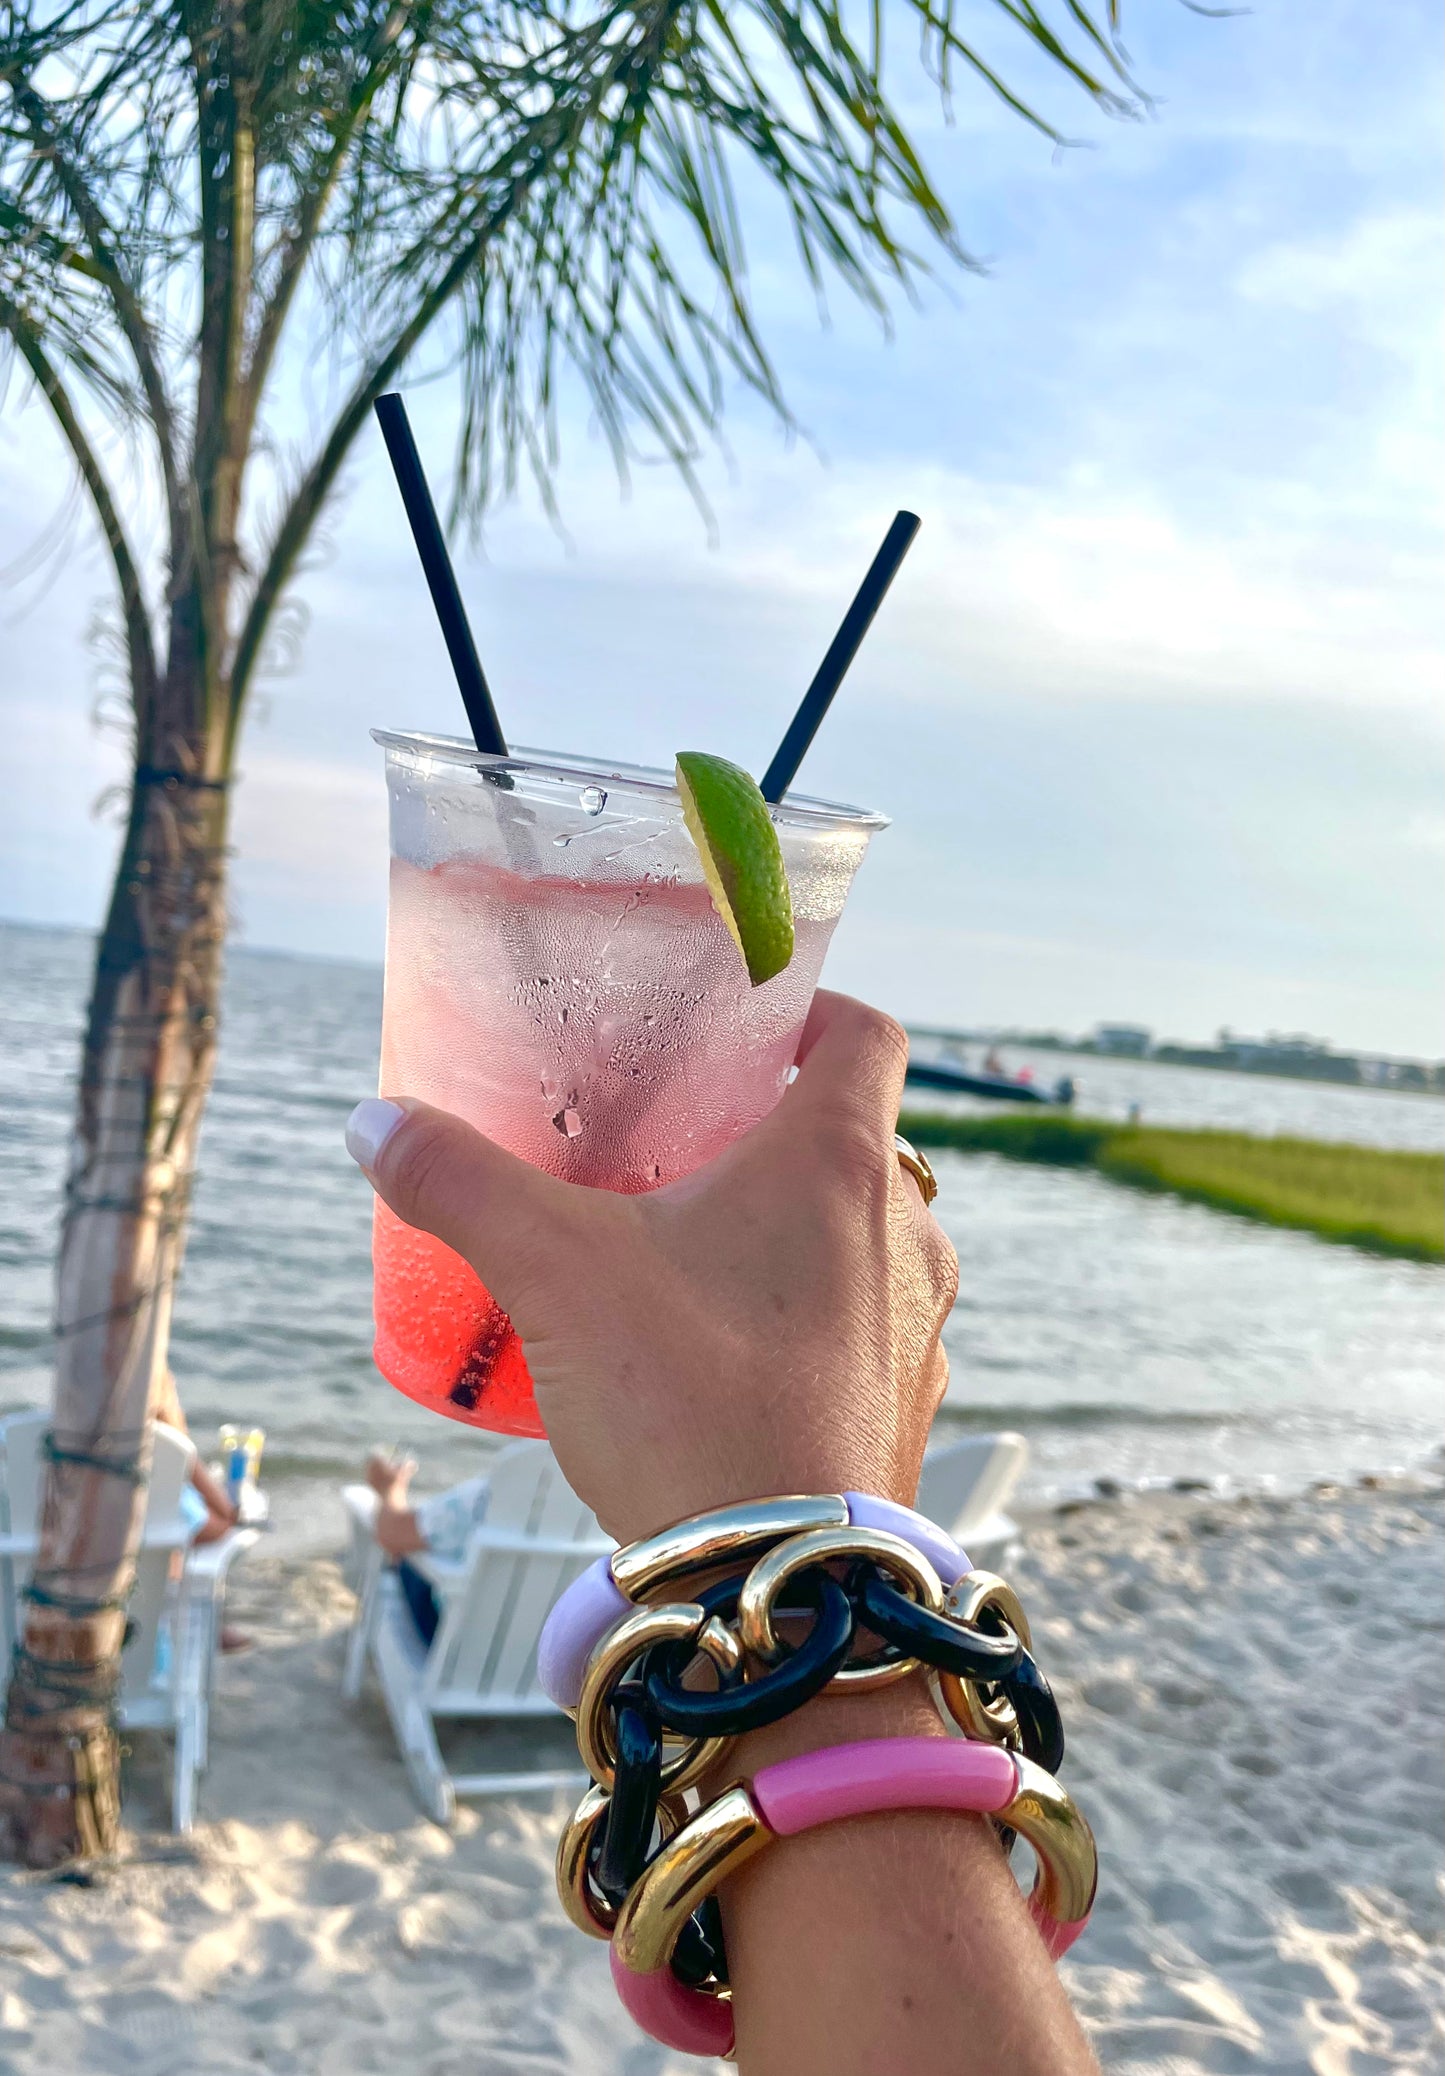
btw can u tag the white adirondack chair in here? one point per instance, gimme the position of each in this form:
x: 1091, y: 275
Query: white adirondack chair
x: 965, y: 1487
x: 482, y: 1662
x: 167, y: 1667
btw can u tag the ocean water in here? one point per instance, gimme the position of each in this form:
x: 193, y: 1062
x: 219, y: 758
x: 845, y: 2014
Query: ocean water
x: 1128, y: 1336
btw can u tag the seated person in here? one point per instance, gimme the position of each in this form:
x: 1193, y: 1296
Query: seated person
x: 442, y: 1525
x: 206, y: 1501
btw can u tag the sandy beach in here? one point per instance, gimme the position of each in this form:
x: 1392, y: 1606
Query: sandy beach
x: 1255, y: 1695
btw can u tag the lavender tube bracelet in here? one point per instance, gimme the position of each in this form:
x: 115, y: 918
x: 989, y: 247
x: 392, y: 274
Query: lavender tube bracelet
x: 588, y: 1608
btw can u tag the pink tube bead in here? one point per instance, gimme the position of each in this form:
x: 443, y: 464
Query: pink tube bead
x: 845, y: 1780
x: 868, y: 1510
x: 584, y: 1612
x: 1057, y: 1936
x: 670, y: 2012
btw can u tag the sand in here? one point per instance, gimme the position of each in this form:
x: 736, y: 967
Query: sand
x: 1255, y: 1693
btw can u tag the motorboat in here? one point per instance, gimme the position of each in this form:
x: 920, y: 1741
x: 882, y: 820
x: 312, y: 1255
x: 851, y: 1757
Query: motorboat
x: 956, y: 1076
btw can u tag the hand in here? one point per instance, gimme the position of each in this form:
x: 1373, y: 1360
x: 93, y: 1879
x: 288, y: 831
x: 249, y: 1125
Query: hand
x: 768, y: 1324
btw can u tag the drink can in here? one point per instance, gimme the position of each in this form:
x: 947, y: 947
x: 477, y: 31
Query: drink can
x: 233, y: 1460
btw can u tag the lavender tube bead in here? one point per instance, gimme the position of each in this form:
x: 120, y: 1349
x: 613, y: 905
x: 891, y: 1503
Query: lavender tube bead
x: 867, y: 1510
x: 581, y: 1615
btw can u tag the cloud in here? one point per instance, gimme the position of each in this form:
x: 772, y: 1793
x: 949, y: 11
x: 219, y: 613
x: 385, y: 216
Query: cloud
x: 318, y: 821
x: 1376, y: 266
x: 310, y: 840
x: 1090, y: 584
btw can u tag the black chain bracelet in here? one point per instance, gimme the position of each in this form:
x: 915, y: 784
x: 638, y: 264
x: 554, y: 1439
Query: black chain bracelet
x: 655, y: 1700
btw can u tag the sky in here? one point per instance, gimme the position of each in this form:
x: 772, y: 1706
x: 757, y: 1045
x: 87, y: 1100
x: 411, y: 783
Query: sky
x: 1154, y: 704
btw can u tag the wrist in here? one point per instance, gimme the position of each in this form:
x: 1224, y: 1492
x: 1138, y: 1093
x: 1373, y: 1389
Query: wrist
x: 690, y: 1489
x: 905, y: 1709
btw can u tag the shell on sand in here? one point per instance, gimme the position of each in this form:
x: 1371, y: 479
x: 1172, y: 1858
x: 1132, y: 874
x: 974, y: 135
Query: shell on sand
x: 1253, y: 1692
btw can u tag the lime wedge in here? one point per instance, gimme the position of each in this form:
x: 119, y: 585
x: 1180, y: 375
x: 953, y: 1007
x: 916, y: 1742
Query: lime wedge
x: 727, y: 818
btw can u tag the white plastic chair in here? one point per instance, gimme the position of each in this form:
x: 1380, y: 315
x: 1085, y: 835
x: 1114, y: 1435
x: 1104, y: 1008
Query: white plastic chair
x: 965, y: 1487
x: 482, y: 1662
x: 167, y: 1667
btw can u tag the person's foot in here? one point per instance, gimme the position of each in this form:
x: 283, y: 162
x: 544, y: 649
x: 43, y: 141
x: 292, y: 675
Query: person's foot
x: 233, y: 1640
x: 389, y: 1477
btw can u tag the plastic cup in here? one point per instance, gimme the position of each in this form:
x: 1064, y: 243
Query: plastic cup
x: 556, y: 974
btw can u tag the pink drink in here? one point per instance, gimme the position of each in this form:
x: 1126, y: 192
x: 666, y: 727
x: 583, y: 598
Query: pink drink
x: 557, y: 975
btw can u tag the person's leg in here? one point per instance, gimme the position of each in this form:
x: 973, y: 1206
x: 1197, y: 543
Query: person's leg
x: 420, y: 1600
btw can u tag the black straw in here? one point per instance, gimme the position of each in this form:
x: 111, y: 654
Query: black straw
x: 834, y: 668
x: 441, y: 577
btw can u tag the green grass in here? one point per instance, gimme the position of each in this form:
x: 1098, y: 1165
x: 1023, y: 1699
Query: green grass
x: 1366, y: 1196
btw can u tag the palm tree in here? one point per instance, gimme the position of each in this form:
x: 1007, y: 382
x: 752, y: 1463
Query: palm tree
x: 193, y: 193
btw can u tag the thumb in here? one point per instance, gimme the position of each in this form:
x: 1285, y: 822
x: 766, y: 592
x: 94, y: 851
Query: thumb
x: 438, y: 1174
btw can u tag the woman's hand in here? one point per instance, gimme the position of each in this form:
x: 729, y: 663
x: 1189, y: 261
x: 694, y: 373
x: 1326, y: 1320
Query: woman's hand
x: 768, y: 1324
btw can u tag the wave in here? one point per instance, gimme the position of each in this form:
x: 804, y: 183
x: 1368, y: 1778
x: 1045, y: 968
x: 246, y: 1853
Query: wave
x: 1100, y: 1414
x: 28, y: 1340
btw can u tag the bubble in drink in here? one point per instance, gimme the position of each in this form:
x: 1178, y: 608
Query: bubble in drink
x: 585, y: 1007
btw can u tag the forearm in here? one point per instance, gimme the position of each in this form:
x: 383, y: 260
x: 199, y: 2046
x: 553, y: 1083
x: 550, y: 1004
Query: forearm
x: 890, y: 1945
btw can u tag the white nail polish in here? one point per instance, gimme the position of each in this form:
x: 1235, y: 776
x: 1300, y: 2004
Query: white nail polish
x: 369, y: 1127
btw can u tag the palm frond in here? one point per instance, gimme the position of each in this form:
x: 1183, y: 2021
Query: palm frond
x: 546, y: 190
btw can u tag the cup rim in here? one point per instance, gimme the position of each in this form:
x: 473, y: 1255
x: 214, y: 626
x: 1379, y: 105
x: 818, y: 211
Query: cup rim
x: 801, y: 810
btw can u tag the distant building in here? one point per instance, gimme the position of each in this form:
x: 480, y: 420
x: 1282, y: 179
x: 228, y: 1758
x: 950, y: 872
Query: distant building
x: 1279, y: 1049
x: 1130, y: 1040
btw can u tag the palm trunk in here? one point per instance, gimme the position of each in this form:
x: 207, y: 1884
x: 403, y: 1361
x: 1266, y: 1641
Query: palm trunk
x: 146, y: 1069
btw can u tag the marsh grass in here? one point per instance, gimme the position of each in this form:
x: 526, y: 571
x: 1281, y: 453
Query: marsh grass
x: 1381, y: 1198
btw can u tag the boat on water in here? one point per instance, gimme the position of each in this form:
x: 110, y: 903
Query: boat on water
x: 956, y: 1076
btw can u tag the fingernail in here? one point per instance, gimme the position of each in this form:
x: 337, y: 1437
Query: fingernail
x: 369, y: 1127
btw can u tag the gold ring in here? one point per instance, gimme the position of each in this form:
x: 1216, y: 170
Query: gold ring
x: 991, y: 1722
x: 590, y: 1912
x: 682, y: 1622
x: 771, y: 1573
x: 1047, y: 1817
x: 722, y: 1837
x: 910, y: 1158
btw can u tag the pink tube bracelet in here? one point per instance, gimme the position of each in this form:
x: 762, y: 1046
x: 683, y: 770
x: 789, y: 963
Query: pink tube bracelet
x: 825, y: 1787
x: 611, y: 1586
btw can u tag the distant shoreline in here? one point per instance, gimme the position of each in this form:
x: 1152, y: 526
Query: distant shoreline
x: 1383, y: 1199
x: 1212, y: 1060
x: 235, y: 943
x: 1207, y: 1059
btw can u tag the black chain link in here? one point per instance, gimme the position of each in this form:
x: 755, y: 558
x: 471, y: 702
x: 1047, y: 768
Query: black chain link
x: 738, y: 1706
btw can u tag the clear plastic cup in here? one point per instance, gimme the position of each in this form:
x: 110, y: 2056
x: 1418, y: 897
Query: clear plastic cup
x: 557, y: 975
